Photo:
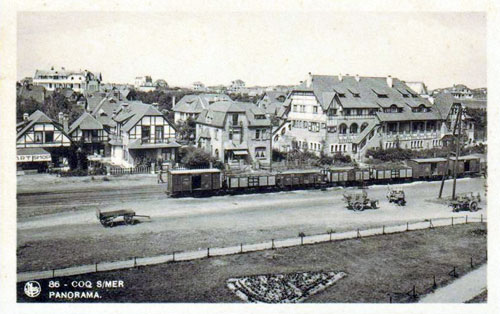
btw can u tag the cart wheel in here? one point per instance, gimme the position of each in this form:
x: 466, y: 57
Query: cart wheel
x: 104, y: 222
x: 110, y: 223
x: 473, y: 206
x: 129, y: 220
x: 357, y: 206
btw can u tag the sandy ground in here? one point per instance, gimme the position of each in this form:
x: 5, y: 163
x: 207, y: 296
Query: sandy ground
x: 49, y: 240
x: 377, y: 268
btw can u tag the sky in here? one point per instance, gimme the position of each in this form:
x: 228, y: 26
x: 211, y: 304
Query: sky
x: 261, y: 48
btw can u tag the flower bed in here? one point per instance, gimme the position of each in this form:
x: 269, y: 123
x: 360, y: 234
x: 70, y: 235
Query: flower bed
x: 282, y: 288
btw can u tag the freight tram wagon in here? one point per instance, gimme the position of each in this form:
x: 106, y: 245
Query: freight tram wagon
x: 213, y: 181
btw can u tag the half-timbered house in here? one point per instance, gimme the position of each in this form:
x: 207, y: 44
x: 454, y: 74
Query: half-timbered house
x: 41, y: 141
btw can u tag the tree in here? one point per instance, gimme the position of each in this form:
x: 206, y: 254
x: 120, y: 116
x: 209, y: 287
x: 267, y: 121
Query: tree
x: 187, y: 129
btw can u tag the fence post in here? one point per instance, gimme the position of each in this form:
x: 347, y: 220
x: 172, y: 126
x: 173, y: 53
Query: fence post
x: 431, y: 226
x: 434, y: 285
x: 135, y: 261
x: 208, y: 252
x: 383, y: 229
x: 96, y: 267
x: 358, y: 235
x: 452, y: 221
x: 466, y: 216
x: 414, y: 292
x: 471, y: 264
x: 241, y: 247
x: 173, y: 256
x: 53, y: 273
x: 390, y: 298
x: 481, y: 218
x: 407, y: 226
x: 272, y: 244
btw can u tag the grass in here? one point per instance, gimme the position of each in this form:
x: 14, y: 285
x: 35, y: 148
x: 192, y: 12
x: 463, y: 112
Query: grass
x: 480, y: 298
x: 377, y: 267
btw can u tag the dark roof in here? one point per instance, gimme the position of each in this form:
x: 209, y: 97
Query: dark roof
x: 32, y: 151
x: 368, y: 89
x: 85, y: 122
x: 196, y: 103
x: 219, y: 110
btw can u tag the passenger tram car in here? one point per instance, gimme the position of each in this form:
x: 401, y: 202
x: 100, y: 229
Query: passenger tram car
x: 204, y: 182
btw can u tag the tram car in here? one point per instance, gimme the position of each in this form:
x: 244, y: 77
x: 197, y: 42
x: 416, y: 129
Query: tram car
x: 214, y: 181
x: 193, y: 182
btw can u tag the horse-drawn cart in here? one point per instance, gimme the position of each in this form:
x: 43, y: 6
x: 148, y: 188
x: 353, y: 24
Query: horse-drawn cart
x: 358, y: 200
x: 108, y: 219
x: 396, y: 195
x: 466, y: 201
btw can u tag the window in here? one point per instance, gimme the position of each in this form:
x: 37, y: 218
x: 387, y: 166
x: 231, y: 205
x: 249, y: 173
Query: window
x: 230, y: 135
x: 260, y: 152
x: 159, y: 134
x: 353, y: 129
x: 38, y: 137
x: 363, y: 126
x: 257, y: 134
x: 315, y: 109
x: 294, y: 108
x: 49, y: 136
x: 235, y: 119
x: 343, y: 129
x: 341, y: 95
x: 146, y: 132
x: 347, y: 112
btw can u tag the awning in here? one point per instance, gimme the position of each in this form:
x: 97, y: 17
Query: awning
x: 240, y: 152
x: 33, y: 154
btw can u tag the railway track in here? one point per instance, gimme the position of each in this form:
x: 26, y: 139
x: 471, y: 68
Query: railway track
x: 41, y: 203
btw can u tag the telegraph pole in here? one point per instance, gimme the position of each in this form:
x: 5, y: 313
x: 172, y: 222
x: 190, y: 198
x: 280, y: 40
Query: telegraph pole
x: 445, y: 170
x: 459, y: 121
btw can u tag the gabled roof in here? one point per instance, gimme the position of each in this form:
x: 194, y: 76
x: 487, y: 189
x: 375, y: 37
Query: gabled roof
x: 196, y: 103
x: 443, y: 103
x: 35, y: 117
x: 219, y: 110
x: 85, y: 122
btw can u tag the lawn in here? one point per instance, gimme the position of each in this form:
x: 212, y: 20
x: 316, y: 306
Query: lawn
x: 377, y: 268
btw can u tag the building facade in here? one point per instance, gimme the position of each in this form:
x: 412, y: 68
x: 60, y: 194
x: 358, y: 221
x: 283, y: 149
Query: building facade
x: 350, y: 114
x: 236, y: 133
x: 41, y: 141
x: 141, y: 135
x: 190, y: 106
x: 79, y: 81
x: 90, y: 133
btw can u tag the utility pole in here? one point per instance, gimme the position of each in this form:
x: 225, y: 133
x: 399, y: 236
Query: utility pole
x: 457, y: 153
x: 445, y: 170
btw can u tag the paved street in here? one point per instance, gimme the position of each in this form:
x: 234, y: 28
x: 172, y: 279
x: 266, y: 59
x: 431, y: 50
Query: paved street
x: 75, y: 237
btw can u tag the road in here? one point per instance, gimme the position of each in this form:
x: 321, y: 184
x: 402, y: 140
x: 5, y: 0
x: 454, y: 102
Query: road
x: 69, y: 234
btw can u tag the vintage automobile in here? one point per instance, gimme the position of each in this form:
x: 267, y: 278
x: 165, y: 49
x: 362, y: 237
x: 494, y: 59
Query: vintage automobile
x: 396, y: 195
x: 358, y: 200
x: 465, y: 201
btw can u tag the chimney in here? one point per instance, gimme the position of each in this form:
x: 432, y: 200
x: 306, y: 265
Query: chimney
x: 309, y: 80
x: 357, y: 78
x: 65, y: 122
x: 389, y: 81
x: 52, y: 68
x: 340, y: 77
x: 25, y: 116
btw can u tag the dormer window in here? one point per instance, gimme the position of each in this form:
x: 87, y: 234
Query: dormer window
x: 341, y: 95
